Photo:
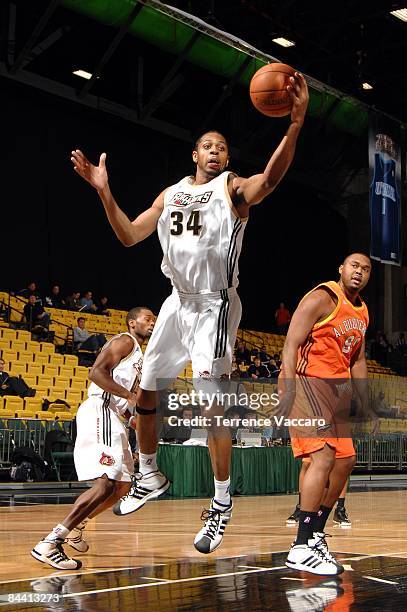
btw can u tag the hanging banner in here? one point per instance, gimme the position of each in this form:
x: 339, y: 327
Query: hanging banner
x: 385, y: 181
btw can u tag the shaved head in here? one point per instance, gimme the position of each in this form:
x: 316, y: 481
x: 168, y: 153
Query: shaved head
x: 356, y: 256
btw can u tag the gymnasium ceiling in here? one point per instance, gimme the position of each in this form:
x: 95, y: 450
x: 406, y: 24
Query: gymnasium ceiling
x: 153, y: 68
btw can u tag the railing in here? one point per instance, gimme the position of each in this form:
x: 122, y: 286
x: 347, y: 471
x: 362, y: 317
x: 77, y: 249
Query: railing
x: 32, y: 435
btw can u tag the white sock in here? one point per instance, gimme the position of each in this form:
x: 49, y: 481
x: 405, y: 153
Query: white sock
x: 58, y: 533
x: 222, y: 491
x: 147, y: 463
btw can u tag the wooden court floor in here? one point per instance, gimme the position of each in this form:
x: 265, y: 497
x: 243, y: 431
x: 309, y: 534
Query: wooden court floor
x: 146, y: 561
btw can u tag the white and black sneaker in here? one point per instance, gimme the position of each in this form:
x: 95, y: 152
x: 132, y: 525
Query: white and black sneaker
x: 52, y: 553
x: 319, y: 542
x: 75, y: 538
x: 211, y: 535
x: 309, y: 558
x: 144, y: 488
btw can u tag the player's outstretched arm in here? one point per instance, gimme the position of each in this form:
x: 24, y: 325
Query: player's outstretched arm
x: 106, y: 361
x: 254, y: 189
x: 128, y: 232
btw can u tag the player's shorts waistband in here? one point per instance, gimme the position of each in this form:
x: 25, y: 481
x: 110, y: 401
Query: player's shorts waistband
x: 216, y: 295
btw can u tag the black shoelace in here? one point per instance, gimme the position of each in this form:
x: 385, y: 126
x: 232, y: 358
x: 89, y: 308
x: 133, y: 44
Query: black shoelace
x: 212, y: 517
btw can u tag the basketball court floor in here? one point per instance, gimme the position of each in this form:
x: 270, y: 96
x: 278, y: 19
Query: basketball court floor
x: 146, y: 561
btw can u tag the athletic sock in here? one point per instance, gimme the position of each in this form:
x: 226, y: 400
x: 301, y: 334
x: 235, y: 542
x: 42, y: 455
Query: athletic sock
x: 58, y: 533
x: 147, y: 463
x: 340, y: 503
x: 222, y: 491
x: 321, y: 519
x: 306, y: 528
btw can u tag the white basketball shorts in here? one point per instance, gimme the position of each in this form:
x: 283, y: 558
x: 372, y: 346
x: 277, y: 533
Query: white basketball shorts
x: 101, y: 445
x: 197, y: 328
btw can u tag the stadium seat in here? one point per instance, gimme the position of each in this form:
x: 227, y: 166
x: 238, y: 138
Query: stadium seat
x: 78, y: 384
x: 41, y: 358
x: 34, y: 369
x: 23, y: 334
x: 33, y: 404
x: 47, y: 347
x: 81, y: 372
x: 56, y: 359
x: 18, y: 345
x: 64, y: 416
x: 9, y: 355
x: 73, y: 397
x: 66, y: 371
x: 8, y: 334
x: 61, y: 380
x: 45, y: 415
x: 26, y: 356
x: 4, y: 345
x: 18, y: 369
x: 70, y: 360
x: 30, y: 379
x: 13, y: 403
x: 51, y: 370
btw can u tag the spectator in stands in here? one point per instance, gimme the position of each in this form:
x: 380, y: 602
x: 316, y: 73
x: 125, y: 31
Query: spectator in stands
x: 4, y: 377
x: 54, y: 299
x: 382, y: 407
x: 253, y: 354
x: 13, y: 385
x: 237, y: 372
x: 102, y: 308
x: 273, y: 368
x: 87, y: 303
x: 380, y: 348
x: 35, y: 315
x: 84, y: 340
x: 283, y: 318
x: 401, y: 342
x: 257, y: 370
x: 31, y: 289
x: 72, y: 301
x: 263, y: 355
x: 242, y: 354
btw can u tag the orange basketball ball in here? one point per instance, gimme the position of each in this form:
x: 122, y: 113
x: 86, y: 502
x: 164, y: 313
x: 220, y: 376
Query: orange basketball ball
x: 268, y: 90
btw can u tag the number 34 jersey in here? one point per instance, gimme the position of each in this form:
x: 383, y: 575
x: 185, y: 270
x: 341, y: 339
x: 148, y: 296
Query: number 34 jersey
x: 201, y: 236
x: 330, y: 347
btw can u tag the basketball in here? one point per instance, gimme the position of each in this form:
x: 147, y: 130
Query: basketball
x: 268, y: 90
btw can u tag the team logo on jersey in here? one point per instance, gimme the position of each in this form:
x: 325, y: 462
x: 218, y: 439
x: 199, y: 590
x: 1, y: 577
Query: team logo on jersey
x: 106, y: 459
x: 183, y: 199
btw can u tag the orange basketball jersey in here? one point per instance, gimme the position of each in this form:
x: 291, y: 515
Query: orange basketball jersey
x: 329, y: 348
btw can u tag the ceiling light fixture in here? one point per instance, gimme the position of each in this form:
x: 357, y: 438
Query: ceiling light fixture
x: 400, y: 14
x: 367, y: 85
x: 83, y: 74
x: 283, y: 42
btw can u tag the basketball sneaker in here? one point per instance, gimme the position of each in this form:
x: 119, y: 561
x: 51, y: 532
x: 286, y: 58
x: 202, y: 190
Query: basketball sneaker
x: 144, y: 488
x: 75, y: 538
x: 210, y: 537
x: 341, y: 517
x: 294, y: 517
x: 52, y: 553
x: 309, y: 558
x: 319, y: 542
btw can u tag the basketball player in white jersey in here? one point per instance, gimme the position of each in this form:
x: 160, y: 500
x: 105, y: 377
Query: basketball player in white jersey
x: 200, y: 221
x: 102, y: 452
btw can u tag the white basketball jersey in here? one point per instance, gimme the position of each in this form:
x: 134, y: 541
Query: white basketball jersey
x: 127, y: 374
x: 200, y: 236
